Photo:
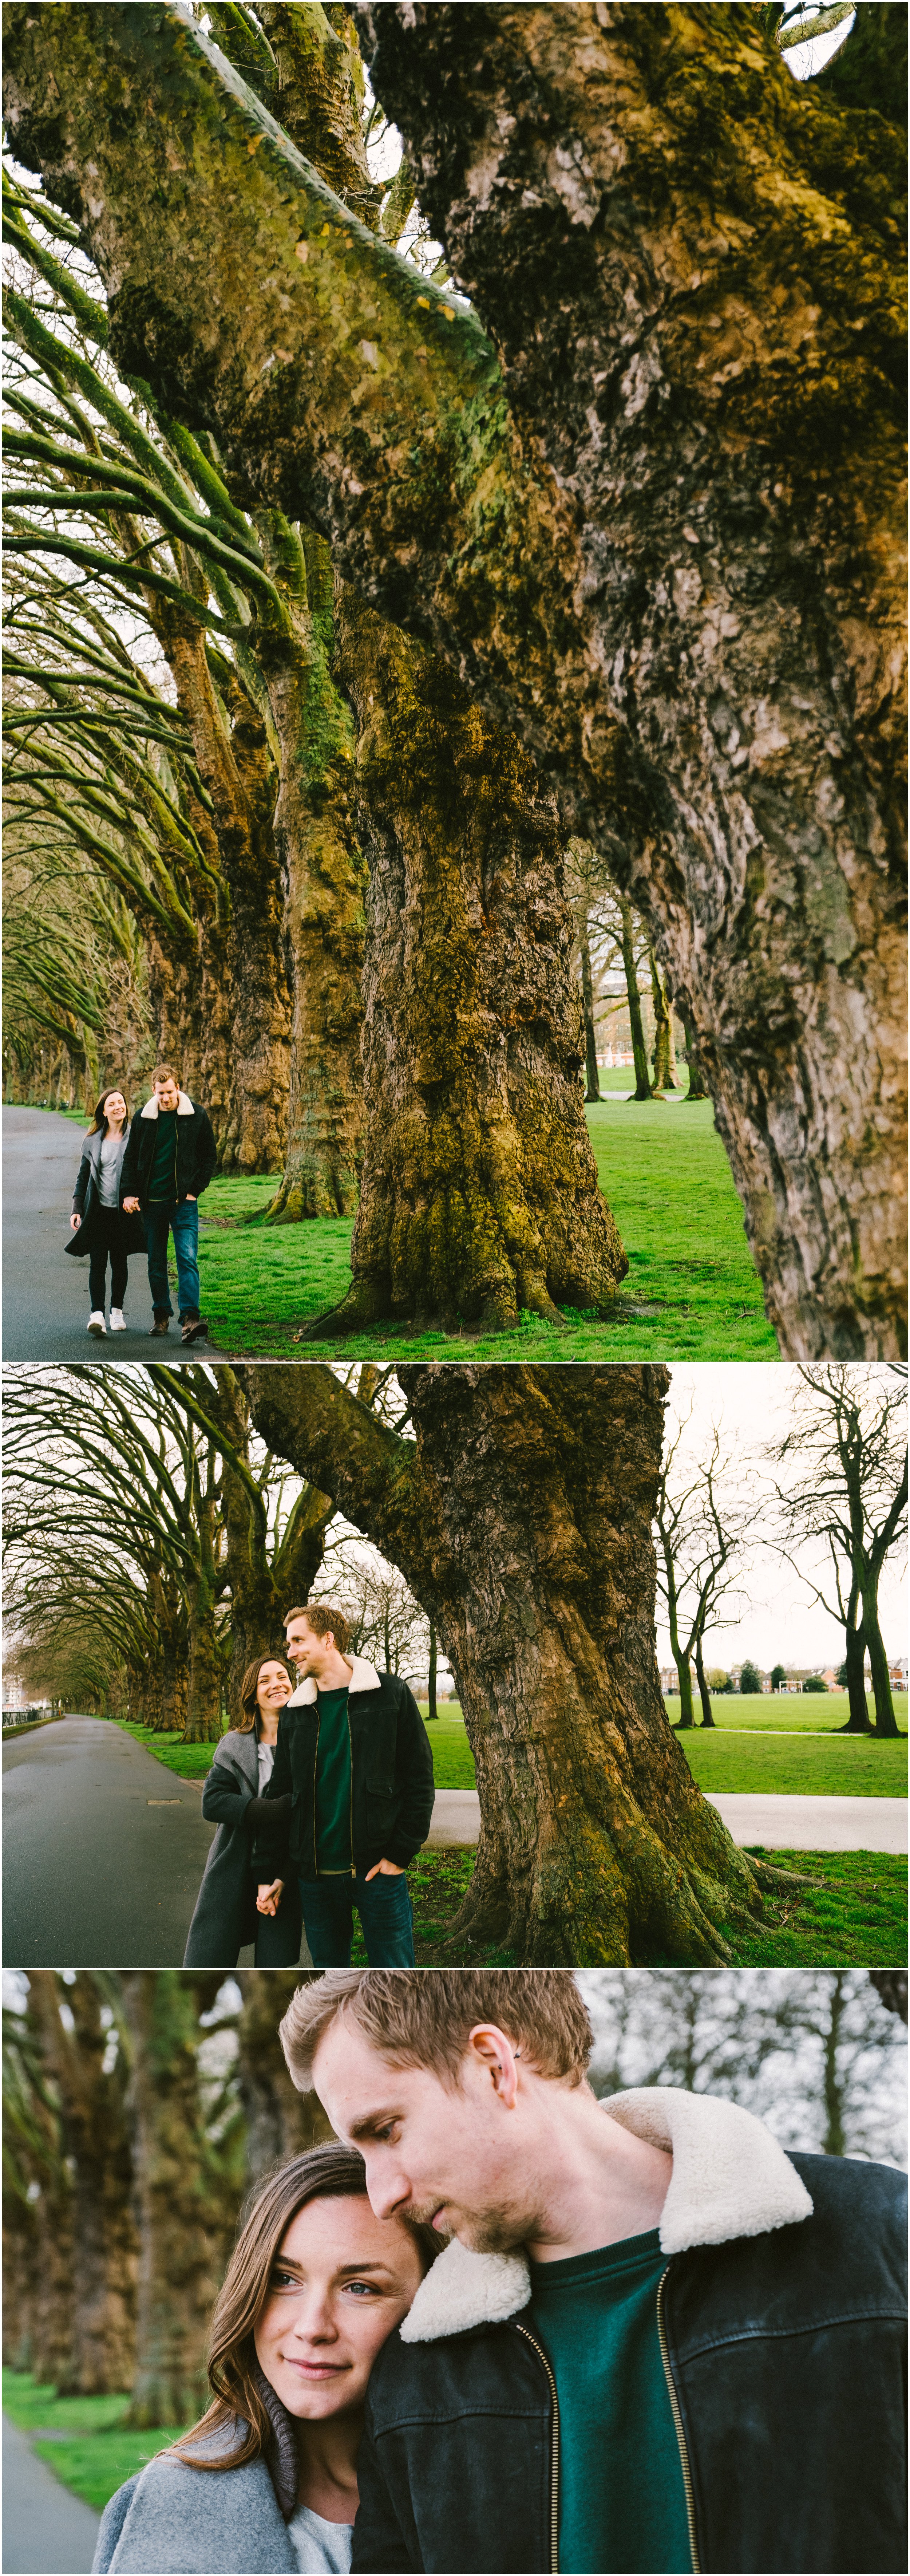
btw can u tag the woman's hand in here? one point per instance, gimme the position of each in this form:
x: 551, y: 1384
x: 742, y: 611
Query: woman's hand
x: 384, y: 1869
x: 75, y: 1220
x: 269, y: 1898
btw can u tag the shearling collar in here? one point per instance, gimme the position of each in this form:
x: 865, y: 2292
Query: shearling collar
x: 363, y: 1678
x: 184, y: 1106
x: 730, y: 2178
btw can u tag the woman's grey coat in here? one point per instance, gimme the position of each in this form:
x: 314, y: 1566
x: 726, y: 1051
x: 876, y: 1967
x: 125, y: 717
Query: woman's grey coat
x: 175, y: 2521
x: 223, y: 1922
x: 87, y: 1201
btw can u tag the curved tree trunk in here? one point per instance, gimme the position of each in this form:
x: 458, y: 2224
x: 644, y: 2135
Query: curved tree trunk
x: 885, y: 1720
x: 643, y: 1089
x: 521, y: 1518
x: 479, y: 1195
x: 698, y: 1089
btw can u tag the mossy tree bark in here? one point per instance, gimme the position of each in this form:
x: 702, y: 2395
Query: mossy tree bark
x: 479, y: 1194
x: 264, y: 1579
x: 279, y: 2121
x: 658, y: 535
x: 521, y: 1518
x: 181, y: 2218
x: 94, y: 2139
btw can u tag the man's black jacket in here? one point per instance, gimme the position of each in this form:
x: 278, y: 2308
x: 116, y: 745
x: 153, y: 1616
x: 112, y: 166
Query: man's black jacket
x: 196, y: 1152
x: 391, y: 1782
x: 786, y: 2353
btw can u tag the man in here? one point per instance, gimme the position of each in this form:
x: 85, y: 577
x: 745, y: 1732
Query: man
x: 350, y: 1798
x: 169, y: 1161
x: 654, y: 2341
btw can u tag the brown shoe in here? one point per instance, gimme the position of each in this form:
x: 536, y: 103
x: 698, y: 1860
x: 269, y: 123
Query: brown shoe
x: 159, y: 1325
x: 196, y: 1330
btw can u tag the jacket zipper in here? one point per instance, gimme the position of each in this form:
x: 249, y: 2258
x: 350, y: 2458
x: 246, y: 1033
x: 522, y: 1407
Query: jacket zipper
x: 351, y: 1792
x: 315, y: 1763
x: 678, y: 2422
x: 554, y: 2454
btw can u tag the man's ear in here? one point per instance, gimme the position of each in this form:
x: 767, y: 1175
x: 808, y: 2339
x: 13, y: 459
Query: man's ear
x: 495, y: 2056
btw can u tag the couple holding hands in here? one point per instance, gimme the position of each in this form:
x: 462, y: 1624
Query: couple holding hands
x: 322, y: 1796
x: 502, y: 2325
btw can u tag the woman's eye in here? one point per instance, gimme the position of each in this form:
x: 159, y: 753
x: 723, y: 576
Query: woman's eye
x: 283, y: 2281
x: 367, y: 2288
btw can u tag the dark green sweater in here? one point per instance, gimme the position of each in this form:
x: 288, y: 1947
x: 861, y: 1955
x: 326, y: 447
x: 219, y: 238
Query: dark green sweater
x: 622, y: 2502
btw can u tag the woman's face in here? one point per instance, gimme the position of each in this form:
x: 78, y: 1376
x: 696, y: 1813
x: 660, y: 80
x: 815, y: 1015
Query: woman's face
x: 115, y: 1108
x: 340, y: 2283
x: 273, y: 1687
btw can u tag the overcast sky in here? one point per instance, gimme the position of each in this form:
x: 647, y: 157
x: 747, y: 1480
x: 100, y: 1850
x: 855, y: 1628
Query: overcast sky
x: 752, y: 1401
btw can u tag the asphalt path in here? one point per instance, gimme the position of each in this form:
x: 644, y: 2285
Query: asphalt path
x: 776, y: 1821
x: 45, y: 1296
x: 46, y: 2530
x: 103, y: 1851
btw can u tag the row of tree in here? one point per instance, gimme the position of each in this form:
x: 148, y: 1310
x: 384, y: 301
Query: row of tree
x: 420, y: 604
x: 160, y: 1523
x: 141, y: 2106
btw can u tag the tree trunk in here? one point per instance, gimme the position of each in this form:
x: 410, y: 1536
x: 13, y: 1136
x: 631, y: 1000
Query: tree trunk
x: 664, y: 1057
x: 95, y: 2142
x: 834, y: 2142
x: 431, y: 1680
x: 280, y: 2122
x: 203, y: 1724
x: 639, y: 1049
x: 479, y: 1195
x: 263, y: 1583
x: 707, y: 1715
x: 697, y: 1086
x: 324, y: 884
x: 885, y: 1720
x: 521, y: 1518
x: 181, y: 2215
x: 858, y: 1722
x: 656, y: 533
x: 592, y: 1077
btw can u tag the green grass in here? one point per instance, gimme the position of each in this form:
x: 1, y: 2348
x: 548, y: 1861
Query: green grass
x: 852, y: 1913
x: 692, y: 1290
x: 740, y: 1756
x: 794, y: 1713
x: 809, y: 1766
x: 96, y: 2453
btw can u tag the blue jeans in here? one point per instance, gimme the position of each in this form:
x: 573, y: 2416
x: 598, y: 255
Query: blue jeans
x: 182, y: 1221
x: 386, y: 1917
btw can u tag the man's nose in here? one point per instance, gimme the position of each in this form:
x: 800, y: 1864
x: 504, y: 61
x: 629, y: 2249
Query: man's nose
x: 389, y: 2190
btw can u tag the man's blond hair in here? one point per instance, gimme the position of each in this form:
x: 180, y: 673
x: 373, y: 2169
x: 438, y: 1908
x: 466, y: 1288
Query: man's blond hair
x: 325, y: 1620
x: 424, y: 2017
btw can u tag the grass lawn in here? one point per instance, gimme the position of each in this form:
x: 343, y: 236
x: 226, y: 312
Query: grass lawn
x: 88, y: 2451
x: 852, y: 1913
x: 692, y: 1290
x: 744, y: 1757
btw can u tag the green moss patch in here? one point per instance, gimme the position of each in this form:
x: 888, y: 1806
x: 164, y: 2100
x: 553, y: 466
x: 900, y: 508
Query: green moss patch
x: 849, y: 1911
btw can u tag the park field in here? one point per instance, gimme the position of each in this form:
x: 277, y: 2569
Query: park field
x: 692, y: 1291
x: 732, y: 1758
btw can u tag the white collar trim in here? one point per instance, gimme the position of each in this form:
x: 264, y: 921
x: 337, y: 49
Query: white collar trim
x: 363, y: 1678
x: 184, y: 1106
x: 730, y: 2178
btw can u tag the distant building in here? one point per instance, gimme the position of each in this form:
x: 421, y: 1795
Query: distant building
x: 897, y: 1673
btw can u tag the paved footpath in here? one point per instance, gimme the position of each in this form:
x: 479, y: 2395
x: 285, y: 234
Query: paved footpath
x: 45, y: 1296
x: 777, y: 1822
x: 103, y: 1851
x: 46, y: 2530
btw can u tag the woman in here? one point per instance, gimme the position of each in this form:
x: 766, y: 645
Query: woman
x: 267, y: 2480
x: 98, y: 1223
x: 226, y: 1915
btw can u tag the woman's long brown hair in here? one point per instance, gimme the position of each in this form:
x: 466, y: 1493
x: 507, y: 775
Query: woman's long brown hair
x: 248, y: 1689
x: 330, y: 2172
x: 99, y: 1122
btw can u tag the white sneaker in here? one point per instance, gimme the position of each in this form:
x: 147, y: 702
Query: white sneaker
x: 118, y: 1322
x: 96, y: 1323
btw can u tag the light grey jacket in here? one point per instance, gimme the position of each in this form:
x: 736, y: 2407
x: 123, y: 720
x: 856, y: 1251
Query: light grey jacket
x: 176, y: 2521
x: 220, y: 1922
